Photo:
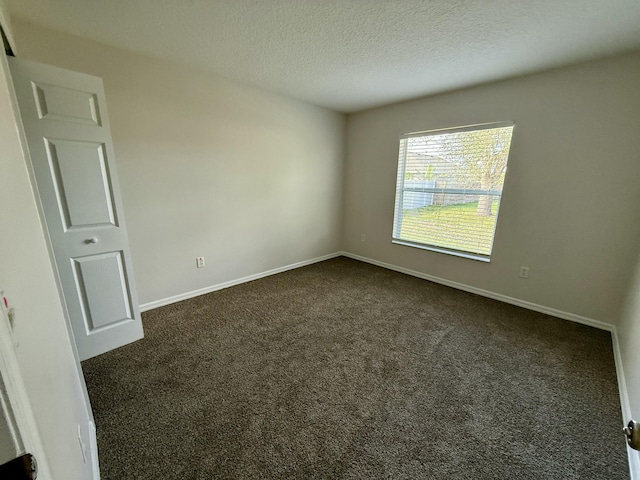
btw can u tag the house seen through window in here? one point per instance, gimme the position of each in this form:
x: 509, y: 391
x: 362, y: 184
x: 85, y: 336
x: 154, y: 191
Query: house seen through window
x: 449, y: 188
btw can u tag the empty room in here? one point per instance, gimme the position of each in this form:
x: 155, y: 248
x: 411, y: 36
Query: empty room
x: 320, y: 239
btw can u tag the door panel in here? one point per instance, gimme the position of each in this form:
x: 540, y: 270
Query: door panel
x: 81, y: 180
x: 65, y: 119
x: 66, y: 105
x: 101, y: 285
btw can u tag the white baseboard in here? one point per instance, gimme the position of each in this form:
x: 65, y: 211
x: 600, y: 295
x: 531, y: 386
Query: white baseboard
x: 93, y: 439
x: 634, y: 463
x: 486, y: 293
x: 201, y: 291
x: 449, y: 283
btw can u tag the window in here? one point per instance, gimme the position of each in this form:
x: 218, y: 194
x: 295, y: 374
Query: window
x: 449, y: 188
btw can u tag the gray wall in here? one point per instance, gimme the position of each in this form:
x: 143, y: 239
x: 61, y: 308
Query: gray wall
x: 250, y: 180
x: 569, y: 208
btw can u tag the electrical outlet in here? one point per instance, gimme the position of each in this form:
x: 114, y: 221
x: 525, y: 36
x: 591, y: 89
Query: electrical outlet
x: 524, y: 272
x: 200, y: 262
x: 363, y: 238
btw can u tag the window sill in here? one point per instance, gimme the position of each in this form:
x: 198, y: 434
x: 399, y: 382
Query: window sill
x: 456, y: 253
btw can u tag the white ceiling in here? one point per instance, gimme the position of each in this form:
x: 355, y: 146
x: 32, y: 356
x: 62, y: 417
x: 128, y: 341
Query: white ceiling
x: 349, y: 55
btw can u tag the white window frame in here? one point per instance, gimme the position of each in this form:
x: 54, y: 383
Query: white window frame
x: 399, y: 197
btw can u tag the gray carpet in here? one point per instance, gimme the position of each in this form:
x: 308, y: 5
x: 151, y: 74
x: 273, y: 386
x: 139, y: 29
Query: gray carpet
x: 343, y: 370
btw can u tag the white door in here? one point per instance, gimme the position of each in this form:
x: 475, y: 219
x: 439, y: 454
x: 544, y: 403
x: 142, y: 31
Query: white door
x: 65, y: 121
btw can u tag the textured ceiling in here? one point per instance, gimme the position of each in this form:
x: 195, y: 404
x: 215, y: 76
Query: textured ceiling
x: 350, y: 55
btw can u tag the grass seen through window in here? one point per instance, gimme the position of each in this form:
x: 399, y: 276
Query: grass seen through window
x: 435, y: 225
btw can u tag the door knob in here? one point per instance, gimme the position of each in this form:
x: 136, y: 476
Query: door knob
x: 91, y: 240
x: 632, y: 431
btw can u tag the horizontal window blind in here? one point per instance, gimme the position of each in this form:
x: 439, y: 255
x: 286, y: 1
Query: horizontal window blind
x: 449, y: 188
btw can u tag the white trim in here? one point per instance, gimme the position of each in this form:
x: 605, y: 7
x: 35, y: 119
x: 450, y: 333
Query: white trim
x: 633, y: 455
x: 18, y: 399
x: 219, y: 286
x: 93, y: 445
x: 456, y: 253
x: 465, y: 128
x: 6, y: 415
x: 486, y: 293
x: 449, y: 283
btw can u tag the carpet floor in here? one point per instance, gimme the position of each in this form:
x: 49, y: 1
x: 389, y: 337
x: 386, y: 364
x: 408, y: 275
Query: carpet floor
x: 343, y: 370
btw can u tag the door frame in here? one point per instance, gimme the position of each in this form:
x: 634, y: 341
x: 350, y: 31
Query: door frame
x: 15, y: 403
